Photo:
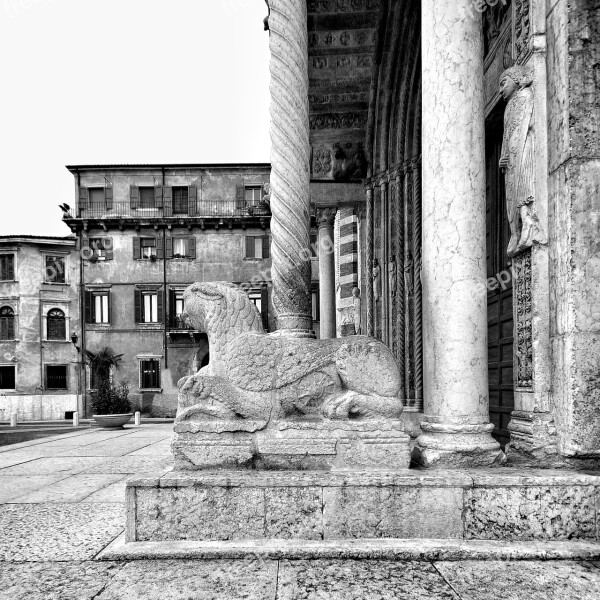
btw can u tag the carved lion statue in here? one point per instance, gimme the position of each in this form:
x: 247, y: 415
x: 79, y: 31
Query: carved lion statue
x: 264, y: 377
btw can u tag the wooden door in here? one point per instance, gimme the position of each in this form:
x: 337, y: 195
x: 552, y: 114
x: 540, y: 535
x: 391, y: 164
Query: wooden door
x: 500, y: 304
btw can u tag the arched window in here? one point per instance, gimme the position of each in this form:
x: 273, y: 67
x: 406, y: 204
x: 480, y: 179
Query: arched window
x: 57, y: 325
x: 7, y: 323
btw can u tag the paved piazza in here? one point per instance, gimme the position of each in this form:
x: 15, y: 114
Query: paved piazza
x: 61, y: 503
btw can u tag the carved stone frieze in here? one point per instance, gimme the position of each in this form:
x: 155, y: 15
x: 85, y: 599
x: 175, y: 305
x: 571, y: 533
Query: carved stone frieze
x: 344, y: 6
x: 495, y: 19
x: 353, y: 38
x: 522, y: 30
x: 524, y: 328
x: 349, y: 120
x: 321, y: 165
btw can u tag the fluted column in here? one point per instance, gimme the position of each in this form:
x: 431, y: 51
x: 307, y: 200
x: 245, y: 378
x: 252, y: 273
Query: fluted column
x: 290, y: 174
x: 326, y: 218
x: 456, y: 427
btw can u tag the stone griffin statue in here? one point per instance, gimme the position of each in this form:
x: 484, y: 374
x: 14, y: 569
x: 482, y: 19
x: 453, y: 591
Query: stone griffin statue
x: 517, y: 160
x: 257, y: 377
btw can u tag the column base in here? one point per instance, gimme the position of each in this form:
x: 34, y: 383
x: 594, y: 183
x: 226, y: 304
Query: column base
x: 457, y: 443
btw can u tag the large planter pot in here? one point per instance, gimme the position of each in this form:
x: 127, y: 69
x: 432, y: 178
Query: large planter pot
x: 112, y: 421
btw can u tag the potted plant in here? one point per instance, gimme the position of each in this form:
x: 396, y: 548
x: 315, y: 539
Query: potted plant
x: 111, y: 405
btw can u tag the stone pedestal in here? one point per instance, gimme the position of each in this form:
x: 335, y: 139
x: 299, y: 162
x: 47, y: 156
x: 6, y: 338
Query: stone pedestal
x: 456, y: 427
x: 303, y: 445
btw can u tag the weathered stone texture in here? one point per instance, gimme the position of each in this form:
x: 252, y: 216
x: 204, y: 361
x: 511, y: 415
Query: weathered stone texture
x: 294, y: 513
x: 530, y: 513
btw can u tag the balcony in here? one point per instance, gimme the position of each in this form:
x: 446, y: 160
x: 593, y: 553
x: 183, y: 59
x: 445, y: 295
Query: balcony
x: 196, y: 209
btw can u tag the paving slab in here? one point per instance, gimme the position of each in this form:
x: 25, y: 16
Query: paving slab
x: 55, y: 581
x: 111, y: 447
x: 52, y: 465
x: 375, y: 580
x: 131, y: 464
x: 57, y: 532
x: 535, y: 580
x: 162, y: 448
x: 14, y: 486
x: 114, y: 492
x: 71, y: 489
x: 189, y: 580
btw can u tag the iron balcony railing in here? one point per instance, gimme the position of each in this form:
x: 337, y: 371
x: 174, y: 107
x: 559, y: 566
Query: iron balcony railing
x: 198, y: 208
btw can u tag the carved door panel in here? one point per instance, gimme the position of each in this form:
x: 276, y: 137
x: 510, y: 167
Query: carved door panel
x: 500, y: 303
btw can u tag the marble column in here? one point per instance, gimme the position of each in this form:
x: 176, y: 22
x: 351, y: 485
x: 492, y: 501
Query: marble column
x: 456, y: 430
x: 290, y: 161
x: 370, y: 329
x: 326, y: 218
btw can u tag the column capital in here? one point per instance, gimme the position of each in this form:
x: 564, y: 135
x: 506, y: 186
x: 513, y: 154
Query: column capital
x: 326, y: 216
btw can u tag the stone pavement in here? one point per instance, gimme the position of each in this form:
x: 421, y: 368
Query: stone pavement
x: 61, y: 503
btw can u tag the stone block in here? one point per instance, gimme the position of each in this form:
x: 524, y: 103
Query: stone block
x: 195, y: 513
x: 392, y: 512
x: 530, y: 512
x: 294, y: 513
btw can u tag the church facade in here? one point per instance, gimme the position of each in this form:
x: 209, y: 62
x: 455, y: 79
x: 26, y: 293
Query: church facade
x: 463, y: 140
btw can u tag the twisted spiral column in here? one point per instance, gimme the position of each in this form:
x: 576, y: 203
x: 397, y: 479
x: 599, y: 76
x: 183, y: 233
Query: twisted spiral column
x: 418, y: 302
x: 400, y: 290
x: 290, y: 174
x: 369, y: 261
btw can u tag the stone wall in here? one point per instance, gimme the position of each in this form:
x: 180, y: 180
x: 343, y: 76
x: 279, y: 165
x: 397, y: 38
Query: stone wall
x: 573, y: 30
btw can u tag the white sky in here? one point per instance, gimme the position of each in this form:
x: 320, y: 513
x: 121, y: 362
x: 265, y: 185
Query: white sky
x: 123, y: 81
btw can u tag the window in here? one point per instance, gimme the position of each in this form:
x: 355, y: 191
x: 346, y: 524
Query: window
x: 96, y: 197
x: 314, y: 245
x: 97, y: 307
x: 7, y: 323
x: 150, y: 374
x: 260, y: 299
x: 148, y: 246
x: 56, y: 377
x: 257, y: 247
x: 177, y: 310
x: 56, y: 325
x: 147, y: 197
x: 181, y: 247
x: 101, y: 248
x: 253, y: 195
x: 180, y: 200
x: 55, y: 269
x: 7, y: 377
x: 256, y: 299
x: 148, y: 306
x: 7, y: 267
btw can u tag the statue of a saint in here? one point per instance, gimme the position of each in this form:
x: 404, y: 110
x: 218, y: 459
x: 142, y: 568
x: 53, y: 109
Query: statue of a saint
x: 376, y: 280
x: 517, y: 160
x: 357, y: 306
x: 392, y: 275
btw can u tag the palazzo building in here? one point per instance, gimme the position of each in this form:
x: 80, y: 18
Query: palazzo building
x: 468, y: 200
x: 144, y: 234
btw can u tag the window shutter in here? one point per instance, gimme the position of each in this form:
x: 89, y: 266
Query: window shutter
x: 249, y: 246
x: 168, y: 201
x: 83, y: 198
x: 264, y: 307
x: 159, y: 248
x: 108, y: 248
x: 137, y: 248
x: 134, y: 196
x: 171, y: 308
x: 138, y: 306
x: 169, y: 247
x: 108, y: 197
x: 158, y: 196
x: 4, y: 268
x: 240, y: 197
x: 10, y: 267
x: 265, y: 247
x: 160, y: 305
x: 109, y: 302
x: 192, y: 198
x: 89, y: 307
x: 192, y: 247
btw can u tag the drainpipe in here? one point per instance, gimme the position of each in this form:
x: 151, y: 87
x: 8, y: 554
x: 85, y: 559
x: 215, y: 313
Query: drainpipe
x: 165, y: 316
x: 41, y: 333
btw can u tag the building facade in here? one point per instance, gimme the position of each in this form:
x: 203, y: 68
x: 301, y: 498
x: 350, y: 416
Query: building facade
x: 39, y: 322
x: 145, y: 233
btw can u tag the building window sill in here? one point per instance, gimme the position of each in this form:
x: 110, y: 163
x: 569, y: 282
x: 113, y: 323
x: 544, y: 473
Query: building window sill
x: 9, y: 281
x: 57, y: 284
x: 155, y: 390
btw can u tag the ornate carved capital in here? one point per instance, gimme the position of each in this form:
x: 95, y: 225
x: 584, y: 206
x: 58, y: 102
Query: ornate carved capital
x: 326, y: 216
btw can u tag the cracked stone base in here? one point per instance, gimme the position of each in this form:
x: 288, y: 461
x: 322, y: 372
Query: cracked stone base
x: 457, y: 459
x: 300, y: 445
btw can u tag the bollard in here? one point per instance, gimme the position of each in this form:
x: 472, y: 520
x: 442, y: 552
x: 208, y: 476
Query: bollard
x: 13, y: 419
x: 138, y: 418
x: 75, y: 419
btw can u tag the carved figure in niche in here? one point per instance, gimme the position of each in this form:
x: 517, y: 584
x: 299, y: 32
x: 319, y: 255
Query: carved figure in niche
x: 357, y: 302
x: 409, y: 275
x: 265, y: 377
x: 517, y: 160
x: 392, y: 275
x: 376, y: 280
